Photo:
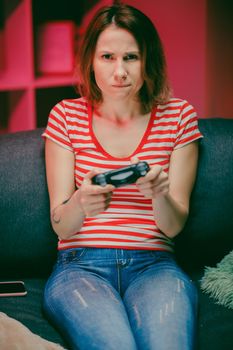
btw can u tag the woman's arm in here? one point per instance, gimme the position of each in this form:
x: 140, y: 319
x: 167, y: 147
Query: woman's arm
x: 171, y: 192
x: 69, y: 206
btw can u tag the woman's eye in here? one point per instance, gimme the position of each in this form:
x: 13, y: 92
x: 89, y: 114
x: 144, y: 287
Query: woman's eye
x: 131, y: 57
x: 107, y: 56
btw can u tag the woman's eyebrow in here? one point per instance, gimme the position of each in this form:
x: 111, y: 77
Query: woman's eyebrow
x: 125, y: 53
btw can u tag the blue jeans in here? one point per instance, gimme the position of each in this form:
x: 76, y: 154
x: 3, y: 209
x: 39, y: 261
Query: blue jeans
x: 121, y: 299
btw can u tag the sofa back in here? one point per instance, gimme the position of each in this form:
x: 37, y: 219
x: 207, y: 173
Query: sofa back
x: 208, y: 233
x: 28, y: 243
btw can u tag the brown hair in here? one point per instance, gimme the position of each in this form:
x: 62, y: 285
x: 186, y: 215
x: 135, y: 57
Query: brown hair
x: 155, y: 88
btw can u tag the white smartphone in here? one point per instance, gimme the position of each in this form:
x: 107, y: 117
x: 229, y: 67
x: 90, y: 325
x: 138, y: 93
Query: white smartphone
x: 12, y: 288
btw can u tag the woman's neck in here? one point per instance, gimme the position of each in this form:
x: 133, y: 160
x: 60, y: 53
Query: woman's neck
x: 118, y: 112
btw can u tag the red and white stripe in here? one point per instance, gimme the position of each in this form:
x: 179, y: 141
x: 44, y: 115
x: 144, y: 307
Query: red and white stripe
x: 129, y: 222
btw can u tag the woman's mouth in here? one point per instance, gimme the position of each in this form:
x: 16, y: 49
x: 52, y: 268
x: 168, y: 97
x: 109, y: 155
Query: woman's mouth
x: 120, y: 85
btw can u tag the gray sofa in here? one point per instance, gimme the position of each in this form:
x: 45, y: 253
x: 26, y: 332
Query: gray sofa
x: 28, y: 244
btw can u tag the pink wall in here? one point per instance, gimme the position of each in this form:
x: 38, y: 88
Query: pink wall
x: 220, y: 58
x: 182, y: 27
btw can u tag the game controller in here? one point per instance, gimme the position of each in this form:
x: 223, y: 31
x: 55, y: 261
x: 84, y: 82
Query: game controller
x: 123, y: 176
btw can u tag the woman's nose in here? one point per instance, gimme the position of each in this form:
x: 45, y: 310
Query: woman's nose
x: 120, y: 73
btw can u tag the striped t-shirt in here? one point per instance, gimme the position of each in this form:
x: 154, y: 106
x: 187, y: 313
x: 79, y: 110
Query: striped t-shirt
x: 129, y: 222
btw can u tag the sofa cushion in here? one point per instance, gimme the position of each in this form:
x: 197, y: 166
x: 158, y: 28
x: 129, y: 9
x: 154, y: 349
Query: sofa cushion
x: 28, y: 311
x: 215, y: 322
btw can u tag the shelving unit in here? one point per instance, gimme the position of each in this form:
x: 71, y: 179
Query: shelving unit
x: 16, y: 73
x: 26, y: 97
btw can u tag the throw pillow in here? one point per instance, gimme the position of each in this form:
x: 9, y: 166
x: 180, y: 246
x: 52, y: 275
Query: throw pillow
x: 15, y: 336
x: 218, y: 281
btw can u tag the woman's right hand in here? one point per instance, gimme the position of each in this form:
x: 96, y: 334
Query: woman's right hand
x: 93, y: 199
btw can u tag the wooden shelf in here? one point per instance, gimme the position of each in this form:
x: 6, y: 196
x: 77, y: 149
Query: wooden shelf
x: 55, y: 81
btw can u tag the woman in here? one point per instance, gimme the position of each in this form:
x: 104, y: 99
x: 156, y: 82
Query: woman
x: 116, y: 283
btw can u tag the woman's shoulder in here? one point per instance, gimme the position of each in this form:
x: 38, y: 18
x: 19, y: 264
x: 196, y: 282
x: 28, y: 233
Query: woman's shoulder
x: 173, y: 103
x: 77, y: 104
x: 175, y: 108
x: 71, y: 109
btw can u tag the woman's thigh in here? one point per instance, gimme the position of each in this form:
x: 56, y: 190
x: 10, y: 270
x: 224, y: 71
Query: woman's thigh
x: 162, y: 306
x: 87, y: 309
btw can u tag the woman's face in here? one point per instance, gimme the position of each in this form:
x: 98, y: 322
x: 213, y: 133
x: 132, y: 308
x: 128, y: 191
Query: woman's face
x: 117, y: 64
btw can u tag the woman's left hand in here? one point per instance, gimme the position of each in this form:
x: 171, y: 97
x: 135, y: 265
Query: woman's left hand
x: 155, y: 183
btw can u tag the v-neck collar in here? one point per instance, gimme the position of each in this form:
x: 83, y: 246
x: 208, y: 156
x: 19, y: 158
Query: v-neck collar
x: 101, y: 149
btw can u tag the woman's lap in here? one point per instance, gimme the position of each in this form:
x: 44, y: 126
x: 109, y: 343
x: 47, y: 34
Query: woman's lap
x: 113, y: 301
